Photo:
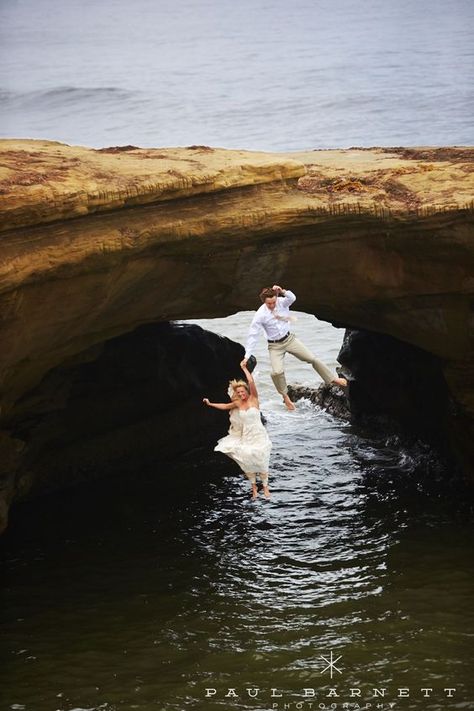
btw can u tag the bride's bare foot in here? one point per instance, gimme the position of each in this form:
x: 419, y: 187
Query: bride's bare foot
x: 342, y: 382
x: 254, y: 491
x: 266, y: 491
x: 289, y: 405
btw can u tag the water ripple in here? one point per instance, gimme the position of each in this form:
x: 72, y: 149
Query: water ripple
x: 182, y: 582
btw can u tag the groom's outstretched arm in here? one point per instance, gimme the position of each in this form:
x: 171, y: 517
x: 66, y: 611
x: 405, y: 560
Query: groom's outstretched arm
x: 254, y: 333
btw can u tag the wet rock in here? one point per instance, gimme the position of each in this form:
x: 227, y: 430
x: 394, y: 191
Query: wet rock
x: 396, y: 391
x: 393, y: 379
x: 400, y: 389
x: 331, y: 398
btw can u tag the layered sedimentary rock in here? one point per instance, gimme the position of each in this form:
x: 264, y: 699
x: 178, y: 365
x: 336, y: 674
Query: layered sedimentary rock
x: 96, y: 243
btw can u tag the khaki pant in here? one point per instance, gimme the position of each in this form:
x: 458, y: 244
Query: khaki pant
x: 277, y: 352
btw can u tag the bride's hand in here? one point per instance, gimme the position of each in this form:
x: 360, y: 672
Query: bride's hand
x: 243, y: 364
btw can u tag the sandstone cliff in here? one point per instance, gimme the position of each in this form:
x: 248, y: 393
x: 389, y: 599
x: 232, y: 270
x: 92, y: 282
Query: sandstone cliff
x: 94, y: 244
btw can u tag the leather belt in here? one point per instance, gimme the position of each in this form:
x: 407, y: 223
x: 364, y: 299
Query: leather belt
x: 279, y: 340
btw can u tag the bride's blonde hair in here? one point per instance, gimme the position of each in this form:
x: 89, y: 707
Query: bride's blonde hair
x: 234, y: 384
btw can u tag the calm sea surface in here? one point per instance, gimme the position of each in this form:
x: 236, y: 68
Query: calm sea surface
x: 144, y: 595
x: 258, y: 74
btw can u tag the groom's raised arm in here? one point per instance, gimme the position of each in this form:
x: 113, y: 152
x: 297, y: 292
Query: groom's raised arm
x: 288, y: 299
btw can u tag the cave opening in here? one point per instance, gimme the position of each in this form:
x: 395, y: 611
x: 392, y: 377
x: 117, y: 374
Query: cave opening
x: 133, y: 404
x: 119, y: 408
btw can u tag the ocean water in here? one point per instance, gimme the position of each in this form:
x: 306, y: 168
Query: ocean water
x: 258, y: 74
x: 141, y: 596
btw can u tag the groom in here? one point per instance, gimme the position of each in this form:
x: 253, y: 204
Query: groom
x: 274, y: 318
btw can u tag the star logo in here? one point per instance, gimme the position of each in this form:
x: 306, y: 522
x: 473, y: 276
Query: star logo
x: 331, y: 664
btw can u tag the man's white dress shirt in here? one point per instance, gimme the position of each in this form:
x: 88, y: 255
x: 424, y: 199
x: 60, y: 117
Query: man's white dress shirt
x: 274, y: 323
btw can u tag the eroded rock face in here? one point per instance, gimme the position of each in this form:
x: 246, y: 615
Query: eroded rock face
x: 393, y: 387
x: 120, y: 407
x: 98, y: 243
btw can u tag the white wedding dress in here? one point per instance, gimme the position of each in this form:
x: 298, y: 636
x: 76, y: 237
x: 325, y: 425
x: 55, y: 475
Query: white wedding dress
x: 247, y: 443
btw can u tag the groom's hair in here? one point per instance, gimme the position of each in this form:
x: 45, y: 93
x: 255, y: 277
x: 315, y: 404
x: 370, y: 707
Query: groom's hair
x: 267, y: 293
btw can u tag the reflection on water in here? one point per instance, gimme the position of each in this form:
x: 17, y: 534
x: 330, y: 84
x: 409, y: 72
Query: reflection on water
x: 140, y: 595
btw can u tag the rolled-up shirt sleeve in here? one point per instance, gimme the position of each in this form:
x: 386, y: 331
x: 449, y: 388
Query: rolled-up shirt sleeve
x: 254, y: 332
x: 288, y: 299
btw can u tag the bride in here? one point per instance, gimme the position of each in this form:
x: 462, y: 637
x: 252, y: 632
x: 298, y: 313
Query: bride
x: 247, y: 443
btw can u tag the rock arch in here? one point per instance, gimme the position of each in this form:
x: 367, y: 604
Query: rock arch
x: 97, y: 244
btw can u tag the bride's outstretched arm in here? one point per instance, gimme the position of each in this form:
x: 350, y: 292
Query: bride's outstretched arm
x: 220, y: 405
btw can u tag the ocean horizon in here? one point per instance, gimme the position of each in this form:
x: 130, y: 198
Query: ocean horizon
x: 268, y: 75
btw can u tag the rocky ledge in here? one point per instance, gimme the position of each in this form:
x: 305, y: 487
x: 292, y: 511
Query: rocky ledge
x: 95, y: 244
